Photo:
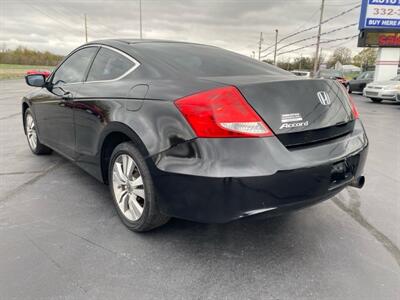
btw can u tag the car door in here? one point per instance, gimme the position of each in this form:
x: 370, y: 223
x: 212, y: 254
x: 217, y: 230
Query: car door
x: 104, y: 92
x: 356, y: 84
x: 54, y: 110
x: 369, y: 77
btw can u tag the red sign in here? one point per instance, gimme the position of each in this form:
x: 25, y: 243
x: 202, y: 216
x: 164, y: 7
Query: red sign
x: 389, y: 40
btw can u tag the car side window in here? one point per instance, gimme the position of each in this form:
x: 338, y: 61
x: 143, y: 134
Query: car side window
x: 74, y: 68
x: 109, y: 65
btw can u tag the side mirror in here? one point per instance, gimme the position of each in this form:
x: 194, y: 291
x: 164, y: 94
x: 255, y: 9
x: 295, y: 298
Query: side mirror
x: 37, y: 80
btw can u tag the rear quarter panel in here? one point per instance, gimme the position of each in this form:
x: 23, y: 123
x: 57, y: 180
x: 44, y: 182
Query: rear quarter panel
x: 106, y: 107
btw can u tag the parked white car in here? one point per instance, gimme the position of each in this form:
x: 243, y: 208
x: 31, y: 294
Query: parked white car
x: 378, y: 91
x: 302, y: 73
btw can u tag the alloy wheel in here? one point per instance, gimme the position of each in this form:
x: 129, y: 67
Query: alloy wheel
x: 128, y: 187
x: 31, y: 131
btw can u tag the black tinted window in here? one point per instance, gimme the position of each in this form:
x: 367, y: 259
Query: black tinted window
x: 108, y: 65
x: 200, y: 60
x: 74, y: 68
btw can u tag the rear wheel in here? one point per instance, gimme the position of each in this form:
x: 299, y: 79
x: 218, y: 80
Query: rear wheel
x: 132, y: 189
x: 32, y: 137
x: 376, y: 100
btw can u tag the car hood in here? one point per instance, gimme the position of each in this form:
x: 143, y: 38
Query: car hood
x: 384, y: 83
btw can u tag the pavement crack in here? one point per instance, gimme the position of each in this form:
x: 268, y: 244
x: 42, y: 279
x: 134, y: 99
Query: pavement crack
x: 54, y: 262
x: 20, y: 173
x: 9, y: 116
x: 31, y: 181
x: 353, y: 210
x: 88, y: 241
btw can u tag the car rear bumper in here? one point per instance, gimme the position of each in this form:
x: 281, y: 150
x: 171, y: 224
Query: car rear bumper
x: 219, y: 180
x: 380, y: 94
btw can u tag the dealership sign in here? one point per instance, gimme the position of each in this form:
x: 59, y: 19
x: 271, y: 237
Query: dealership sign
x: 379, y: 39
x: 380, y: 14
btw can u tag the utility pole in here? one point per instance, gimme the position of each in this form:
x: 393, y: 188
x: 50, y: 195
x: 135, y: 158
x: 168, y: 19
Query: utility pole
x: 259, y: 46
x: 86, y: 28
x: 316, y: 60
x: 140, y: 18
x: 320, y: 57
x: 276, y: 45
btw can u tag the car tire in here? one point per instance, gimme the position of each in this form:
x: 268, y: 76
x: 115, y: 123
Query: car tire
x: 132, y: 189
x: 31, y: 135
x: 349, y: 89
x: 376, y: 100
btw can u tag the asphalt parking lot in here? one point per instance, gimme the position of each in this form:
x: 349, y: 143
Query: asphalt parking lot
x: 60, y: 237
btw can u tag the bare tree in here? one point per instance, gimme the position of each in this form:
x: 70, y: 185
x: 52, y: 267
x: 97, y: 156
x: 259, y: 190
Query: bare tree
x: 365, y: 58
x: 342, y: 55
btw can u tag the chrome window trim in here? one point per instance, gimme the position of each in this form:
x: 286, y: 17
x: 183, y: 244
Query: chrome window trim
x: 134, y: 67
x: 136, y: 64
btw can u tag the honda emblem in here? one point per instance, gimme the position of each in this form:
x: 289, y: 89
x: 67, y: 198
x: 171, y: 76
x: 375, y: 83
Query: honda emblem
x: 324, y: 98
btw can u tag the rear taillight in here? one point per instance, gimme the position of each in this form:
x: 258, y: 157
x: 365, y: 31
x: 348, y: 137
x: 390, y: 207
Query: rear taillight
x: 351, y: 102
x: 353, y: 108
x: 220, y: 113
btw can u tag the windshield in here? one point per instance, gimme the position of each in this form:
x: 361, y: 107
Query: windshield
x: 204, y: 61
x: 366, y: 75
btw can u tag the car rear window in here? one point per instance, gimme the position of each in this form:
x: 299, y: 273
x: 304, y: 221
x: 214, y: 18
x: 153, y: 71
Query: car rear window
x: 205, y: 61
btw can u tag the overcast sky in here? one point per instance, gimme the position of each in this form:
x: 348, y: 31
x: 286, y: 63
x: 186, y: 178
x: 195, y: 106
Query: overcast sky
x: 57, y: 25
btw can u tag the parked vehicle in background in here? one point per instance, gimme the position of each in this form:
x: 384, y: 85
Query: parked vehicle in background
x: 383, y: 90
x: 332, y: 74
x: 357, y: 84
x: 302, y: 73
x: 38, y: 72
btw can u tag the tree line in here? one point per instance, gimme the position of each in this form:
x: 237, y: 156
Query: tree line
x: 25, y: 56
x: 365, y: 59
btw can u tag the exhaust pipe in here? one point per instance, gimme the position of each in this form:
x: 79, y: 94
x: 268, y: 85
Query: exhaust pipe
x: 358, y: 182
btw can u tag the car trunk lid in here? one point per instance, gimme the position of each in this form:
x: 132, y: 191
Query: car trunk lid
x: 298, y: 111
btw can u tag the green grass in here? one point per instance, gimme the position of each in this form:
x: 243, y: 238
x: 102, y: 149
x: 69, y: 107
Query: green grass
x: 351, y: 75
x: 8, y: 71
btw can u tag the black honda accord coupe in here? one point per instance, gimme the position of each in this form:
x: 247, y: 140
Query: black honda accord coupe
x: 195, y: 132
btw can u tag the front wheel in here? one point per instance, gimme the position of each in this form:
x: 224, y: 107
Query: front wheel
x: 349, y: 89
x: 376, y: 100
x: 132, y: 189
x: 31, y: 134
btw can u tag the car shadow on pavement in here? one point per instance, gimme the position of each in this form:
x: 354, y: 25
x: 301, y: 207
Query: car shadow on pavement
x: 278, y: 232
x: 230, y: 239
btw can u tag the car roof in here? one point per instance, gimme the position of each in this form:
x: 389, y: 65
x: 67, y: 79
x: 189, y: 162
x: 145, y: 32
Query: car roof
x: 139, y: 41
x: 128, y: 45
